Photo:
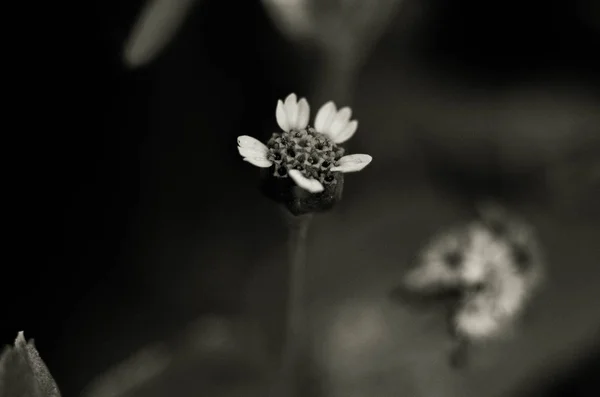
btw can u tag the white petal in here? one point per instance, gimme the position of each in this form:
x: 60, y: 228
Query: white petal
x: 324, y: 117
x: 303, y: 114
x: 292, y: 98
x: 353, y: 163
x: 248, y: 142
x: 253, y: 151
x: 259, y: 161
x: 281, y: 116
x: 246, y: 152
x: 291, y: 110
x: 340, y: 122
x: 312, y: 185
x: 347, y: 132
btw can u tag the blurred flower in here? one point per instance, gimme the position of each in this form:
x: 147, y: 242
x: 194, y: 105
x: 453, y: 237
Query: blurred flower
x: 495, y: 264
x: 24, y: 373
x: 455, y: 259
x: 463, y: 255
x: 309, y: 157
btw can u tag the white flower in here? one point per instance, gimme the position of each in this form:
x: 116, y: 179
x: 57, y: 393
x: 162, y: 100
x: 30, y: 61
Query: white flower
x: 456, y: 258
x: 494, y: 262
x: 310, y: 156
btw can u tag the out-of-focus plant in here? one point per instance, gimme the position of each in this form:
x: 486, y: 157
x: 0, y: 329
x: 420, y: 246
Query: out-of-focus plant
x: 131, y: 374
x: 343, y: 31
x: 212, y: 345
x: 157, y: 24
x: 494, y: 263
x: 23, y: 373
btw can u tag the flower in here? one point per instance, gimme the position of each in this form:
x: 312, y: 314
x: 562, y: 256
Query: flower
x: 455, y: 258
x: 309, y: 157
x: 494, y: 263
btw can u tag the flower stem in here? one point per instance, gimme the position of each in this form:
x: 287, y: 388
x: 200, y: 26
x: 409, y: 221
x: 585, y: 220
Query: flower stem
x: 294, y: 343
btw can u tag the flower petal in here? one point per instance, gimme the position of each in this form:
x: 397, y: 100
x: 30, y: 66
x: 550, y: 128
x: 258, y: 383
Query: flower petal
x: 246, y: 152
x: 259, y: 161
x: 250, y: 144
x: 340, y: 121
x: 312, y: 185
x: 292, y: 98
x: 291, y: 110
x: 324, y: 117
x: 253, y: 151
x: 352, y: 163
x: 303, y: 114
x: 347, y: 132
x: 281, y: 116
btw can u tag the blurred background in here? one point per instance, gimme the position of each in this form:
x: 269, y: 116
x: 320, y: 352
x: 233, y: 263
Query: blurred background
x: 150, y: 230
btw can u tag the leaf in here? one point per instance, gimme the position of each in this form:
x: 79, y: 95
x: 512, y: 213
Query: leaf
x: 23, y: 373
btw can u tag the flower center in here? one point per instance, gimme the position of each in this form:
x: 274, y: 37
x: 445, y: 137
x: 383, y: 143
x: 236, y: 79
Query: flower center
x: 308, y: 151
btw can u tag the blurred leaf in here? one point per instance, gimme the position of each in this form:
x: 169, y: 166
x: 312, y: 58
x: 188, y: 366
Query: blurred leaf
x: 23, y: 372
x: 334, y: 24
x: 212, y: 353
x: 128, y: 376
x: 154, y: 29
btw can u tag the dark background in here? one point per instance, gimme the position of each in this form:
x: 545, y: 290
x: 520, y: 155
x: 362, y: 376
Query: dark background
x: 146, y: 219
